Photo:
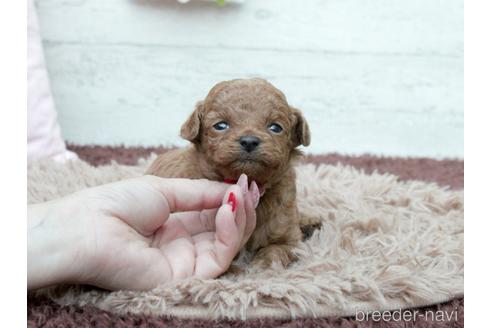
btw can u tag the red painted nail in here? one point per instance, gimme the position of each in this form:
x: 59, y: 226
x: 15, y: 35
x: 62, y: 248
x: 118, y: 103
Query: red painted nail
x: 232, y: 201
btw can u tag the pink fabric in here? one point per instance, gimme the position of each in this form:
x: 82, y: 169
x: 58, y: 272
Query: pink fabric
x: 43, y: 132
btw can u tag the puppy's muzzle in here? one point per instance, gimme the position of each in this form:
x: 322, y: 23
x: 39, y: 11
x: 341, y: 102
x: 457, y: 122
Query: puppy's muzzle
x: 249, y: 143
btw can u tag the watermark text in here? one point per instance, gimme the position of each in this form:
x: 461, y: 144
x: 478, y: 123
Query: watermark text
x: 407, y: 315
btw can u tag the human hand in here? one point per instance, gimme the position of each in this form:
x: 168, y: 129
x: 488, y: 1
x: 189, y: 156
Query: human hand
x: 139, y: 233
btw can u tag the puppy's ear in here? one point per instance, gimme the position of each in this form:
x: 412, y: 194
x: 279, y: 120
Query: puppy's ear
x: 190, y: 130
x: 300, y: 134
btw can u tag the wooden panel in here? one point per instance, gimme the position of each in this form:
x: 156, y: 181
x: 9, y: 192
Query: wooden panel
x: 379, y: 76
x: 100, y: 89
x: 418, y: 27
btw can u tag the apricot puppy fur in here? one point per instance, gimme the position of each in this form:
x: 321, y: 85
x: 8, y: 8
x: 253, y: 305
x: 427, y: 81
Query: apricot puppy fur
x: 247, y: 126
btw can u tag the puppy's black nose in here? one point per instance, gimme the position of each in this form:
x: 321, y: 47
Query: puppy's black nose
x: 249, y: 143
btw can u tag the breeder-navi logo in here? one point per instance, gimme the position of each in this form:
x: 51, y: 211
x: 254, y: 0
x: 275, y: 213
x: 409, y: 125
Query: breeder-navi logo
x: 406, y: 315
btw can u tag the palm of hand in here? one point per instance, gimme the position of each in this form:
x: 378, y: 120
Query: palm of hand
x: 188, y: 244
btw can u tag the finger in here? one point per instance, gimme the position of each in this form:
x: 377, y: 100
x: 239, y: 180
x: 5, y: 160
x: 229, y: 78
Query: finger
x: 134, y: 201
x: 251, y: 197
x: 216, y: 259
x: 167, y: 233
x: 180, y: 253
x: 195, y: 222
x: 238, y: 196
x: 227, y: 228
x: 207, y: 266
x: 204, y: 236
x: 204, y: 242
x: 145, y: 203
x: 250, y: 218
x: 230, y: 224
x: 188, y: 194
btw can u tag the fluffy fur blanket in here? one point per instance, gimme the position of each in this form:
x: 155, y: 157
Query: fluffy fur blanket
x: 384, y: 244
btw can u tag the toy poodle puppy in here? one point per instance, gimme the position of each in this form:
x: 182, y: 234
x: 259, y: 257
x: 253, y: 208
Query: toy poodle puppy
x: 247, y: 126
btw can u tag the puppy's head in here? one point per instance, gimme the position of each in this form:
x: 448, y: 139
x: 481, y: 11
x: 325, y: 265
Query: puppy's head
x: 246, y: 126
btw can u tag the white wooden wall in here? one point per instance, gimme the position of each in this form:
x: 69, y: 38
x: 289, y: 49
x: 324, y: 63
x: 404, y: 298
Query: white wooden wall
x: 372, y: 76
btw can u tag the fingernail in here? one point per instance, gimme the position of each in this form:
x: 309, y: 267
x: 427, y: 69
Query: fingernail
x: 255, y: 193
x: 243, y: 183
x: 232, y: 201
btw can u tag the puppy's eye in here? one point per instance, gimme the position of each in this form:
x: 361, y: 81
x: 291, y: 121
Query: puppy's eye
x: 221, y: 126
x: 275, y: 128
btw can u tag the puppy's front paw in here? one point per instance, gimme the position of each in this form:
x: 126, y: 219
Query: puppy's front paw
x: 267, y: 265
x: 235, y: 270
x: 308, y: 230
x: 272, y: 256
